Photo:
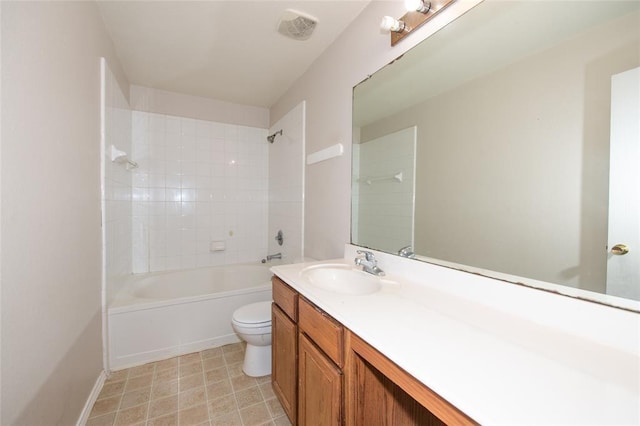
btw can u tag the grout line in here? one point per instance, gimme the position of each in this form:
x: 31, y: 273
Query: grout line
x: 233, y: 390
x: 153, y: 381
x: 206, y: 392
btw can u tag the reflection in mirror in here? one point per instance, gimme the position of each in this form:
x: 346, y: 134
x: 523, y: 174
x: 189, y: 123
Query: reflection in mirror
x: 383, y: 191
x: 511, y: 105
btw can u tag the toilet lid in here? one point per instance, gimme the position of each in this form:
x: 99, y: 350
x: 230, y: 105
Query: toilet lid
x: 254, y: 313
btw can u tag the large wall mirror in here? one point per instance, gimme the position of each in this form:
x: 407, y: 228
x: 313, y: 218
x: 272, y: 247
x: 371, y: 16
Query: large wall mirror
x: 507, y: 143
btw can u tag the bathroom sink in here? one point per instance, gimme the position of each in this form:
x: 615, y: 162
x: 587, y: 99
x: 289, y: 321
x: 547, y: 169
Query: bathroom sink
x: 340, y: 278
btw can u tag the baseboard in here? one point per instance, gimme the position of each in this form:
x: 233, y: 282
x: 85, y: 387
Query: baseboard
x: 93, y: 396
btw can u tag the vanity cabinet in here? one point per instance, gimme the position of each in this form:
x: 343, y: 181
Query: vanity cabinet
x: 284, y: 347
x: 323, y: 374
x: 320, y: 362
x: 320, y: 386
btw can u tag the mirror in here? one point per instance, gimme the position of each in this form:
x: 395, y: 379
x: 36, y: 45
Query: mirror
x: 511, y: 108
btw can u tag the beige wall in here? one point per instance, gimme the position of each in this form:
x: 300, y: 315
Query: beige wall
x: 51, y: 261
x: 327, y: 88
x: 170, y: 103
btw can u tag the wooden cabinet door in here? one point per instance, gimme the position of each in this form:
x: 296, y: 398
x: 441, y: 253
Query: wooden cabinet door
x: 283, y: 361
x: 319, y: 386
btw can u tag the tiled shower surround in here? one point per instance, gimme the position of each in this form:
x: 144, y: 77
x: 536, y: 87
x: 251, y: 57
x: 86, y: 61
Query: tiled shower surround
x: 116, y: 185
x: 198, y: 183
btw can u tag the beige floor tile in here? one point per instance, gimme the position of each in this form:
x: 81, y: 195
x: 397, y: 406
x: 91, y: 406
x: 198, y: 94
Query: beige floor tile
x: 216, y: 375
x: 235, y: 370
x: 212, y: 353
x: 136, y: 397
x: 264, y: 379
x: 192, y: 397
x: 167, y: 374
x: 191, y: 368
x: 234, y: 357
x: 105, y: 405
x: 163, y: 406
x: 117, y: 376
x: 234, y: 347
x: 223, y: 406
x: 111, y: 389
x: 164, y: 389
x: 275, y: 408
x: 167, y: 420
x: 138, y: 382
x: 132, y: 416
x: 194, y: 415
x: 282, y: 421
x: 231, y: 419
x: 190, y: 358
x: 212, y: 363
x: 194, y: 389
x: 242, y: 382
x: 256, y: 414
x: 141, y: 370
x: 103, y: 420
x: 267, y: 390
x: 190, y: 382
x: 219, y: 389
x: 166, y: 363
x: 247, y: 397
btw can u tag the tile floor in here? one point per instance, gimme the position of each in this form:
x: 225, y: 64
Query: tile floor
x: 202, y: 388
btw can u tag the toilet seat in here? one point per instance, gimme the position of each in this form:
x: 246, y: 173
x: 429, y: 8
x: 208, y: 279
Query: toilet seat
x: 253, y: 315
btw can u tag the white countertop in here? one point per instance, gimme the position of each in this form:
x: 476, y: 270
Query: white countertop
x: 496, y: 366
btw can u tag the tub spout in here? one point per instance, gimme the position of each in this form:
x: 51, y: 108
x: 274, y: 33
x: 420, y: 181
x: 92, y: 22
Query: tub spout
x: 270, y: 257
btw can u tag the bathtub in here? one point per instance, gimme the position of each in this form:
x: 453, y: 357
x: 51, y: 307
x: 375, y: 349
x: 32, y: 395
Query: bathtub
x: 159, y: 315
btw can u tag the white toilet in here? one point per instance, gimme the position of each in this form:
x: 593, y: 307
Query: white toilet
x: 253, y: 324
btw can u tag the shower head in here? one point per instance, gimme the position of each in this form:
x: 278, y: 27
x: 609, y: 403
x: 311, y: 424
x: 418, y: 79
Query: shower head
x: 272, y: 137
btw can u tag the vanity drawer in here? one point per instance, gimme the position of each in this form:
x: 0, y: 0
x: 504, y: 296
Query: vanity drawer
x: 325, y: 331
x: 285, y: 297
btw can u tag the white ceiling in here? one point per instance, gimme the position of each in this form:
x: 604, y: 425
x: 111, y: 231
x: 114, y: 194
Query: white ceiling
x: 226, y: 50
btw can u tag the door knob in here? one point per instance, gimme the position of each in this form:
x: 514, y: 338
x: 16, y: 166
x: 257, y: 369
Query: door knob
x: 619, y: 249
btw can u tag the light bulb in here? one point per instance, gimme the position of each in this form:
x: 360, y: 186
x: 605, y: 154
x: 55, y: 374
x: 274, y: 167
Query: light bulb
x: 390, y: 24
x: 417, y: 6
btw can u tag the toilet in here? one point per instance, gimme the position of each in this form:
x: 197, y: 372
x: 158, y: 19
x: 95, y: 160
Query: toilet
x: 253, y: 324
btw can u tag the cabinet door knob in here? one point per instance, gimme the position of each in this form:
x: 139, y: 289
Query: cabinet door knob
x: 619, y: 249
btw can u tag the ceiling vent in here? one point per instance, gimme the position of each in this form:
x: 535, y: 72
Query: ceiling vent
x: 296, y: 25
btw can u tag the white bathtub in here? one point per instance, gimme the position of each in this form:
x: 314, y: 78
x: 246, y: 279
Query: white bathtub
x: 160, y: 315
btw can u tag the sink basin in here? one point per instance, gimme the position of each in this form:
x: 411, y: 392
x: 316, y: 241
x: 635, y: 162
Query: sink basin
x: 342, y: 279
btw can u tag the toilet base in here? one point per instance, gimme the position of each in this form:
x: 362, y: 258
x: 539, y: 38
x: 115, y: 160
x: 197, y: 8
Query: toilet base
x: 257, y: 361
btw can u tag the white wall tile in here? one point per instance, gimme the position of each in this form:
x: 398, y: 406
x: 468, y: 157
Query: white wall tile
x: 118, y: 185
x: 201, y: 181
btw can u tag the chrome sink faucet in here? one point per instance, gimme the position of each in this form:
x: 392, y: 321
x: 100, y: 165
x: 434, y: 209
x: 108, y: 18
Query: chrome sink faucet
x: 369, y: 263
x: 407, y: 251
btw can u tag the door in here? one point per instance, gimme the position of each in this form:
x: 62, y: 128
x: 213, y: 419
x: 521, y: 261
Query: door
x: 623, y: 267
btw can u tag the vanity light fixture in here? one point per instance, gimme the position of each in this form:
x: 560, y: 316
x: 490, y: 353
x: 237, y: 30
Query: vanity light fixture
x: 417, y: 5
x: 391, y: 24
x: 419, y: 12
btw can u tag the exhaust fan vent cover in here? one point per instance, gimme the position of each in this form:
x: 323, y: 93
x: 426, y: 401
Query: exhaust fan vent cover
x: 296, y: 25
